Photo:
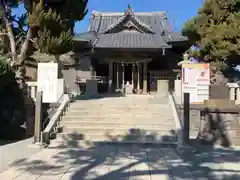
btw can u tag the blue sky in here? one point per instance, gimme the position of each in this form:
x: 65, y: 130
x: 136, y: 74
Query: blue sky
x: 178, y: 11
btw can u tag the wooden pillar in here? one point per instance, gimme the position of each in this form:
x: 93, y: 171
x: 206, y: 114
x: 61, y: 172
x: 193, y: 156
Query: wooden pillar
x: 133, y: 70
x: 123, y: 72
x: 38, y: 118
x: 110, y: 76
x: 138, y: 76
x: 145, y: 78
x: 117, y: 75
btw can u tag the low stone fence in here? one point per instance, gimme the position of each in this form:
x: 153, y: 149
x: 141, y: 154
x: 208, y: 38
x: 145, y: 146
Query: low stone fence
x: 232, y: 90
x: 219, y: 126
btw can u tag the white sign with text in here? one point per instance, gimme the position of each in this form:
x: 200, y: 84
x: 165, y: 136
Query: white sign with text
x: 47, y: 81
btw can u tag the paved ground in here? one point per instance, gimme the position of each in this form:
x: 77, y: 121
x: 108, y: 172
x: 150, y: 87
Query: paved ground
x: 15, y: 151
x: 125, y: 162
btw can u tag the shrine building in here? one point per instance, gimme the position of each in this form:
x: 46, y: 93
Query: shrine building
x: 130, y: 47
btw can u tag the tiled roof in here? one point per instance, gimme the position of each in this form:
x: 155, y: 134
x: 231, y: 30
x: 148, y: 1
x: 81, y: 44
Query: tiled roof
x: 131, y: 19
x: 174, y: 36
x: 148, y: 30
x: 87, y: 36
x: 158, y: 22
x: 128, y: 39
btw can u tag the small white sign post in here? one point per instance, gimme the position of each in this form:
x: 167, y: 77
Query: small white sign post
x: 47, y: 82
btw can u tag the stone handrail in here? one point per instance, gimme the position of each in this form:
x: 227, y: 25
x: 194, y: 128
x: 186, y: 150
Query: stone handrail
x: 234, y: 92
x: 32, y: 87
x: 177, y: 117
x: 54, y: 121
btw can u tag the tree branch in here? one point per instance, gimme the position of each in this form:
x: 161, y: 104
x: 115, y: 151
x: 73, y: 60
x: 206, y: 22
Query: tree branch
x: 11, y: 39
x: 3, y: 34
x: 25, y: 46
x: 34, y: 43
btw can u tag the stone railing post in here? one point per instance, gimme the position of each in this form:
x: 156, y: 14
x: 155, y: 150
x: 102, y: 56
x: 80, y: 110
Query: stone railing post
x: 178, y: 88
x: 33, y: 91
x: 238, y: 96
x: 232, y: 93
x: 162, y: 87
x: 38, y: 118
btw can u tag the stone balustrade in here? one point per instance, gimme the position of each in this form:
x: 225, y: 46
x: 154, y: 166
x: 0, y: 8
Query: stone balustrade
x: 234, y: 90
x: 32, y: 89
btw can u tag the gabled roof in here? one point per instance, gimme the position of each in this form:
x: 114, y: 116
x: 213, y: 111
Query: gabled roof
x: 128, y: 39
x: 131, y: 30
x: 129, y: 20
x: 156, y: 21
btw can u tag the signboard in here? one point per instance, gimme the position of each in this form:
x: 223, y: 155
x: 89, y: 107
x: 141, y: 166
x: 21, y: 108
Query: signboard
x: 47, y: 81
x: 196, y: 81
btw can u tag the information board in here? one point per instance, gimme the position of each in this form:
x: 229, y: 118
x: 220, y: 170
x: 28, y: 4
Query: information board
x: 196, y: 81
x: 47, y: 81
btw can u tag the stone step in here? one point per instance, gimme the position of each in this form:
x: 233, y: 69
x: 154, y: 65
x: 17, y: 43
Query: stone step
x: 114, y: 118
x: 118, y: 114
x: 235, y: 141
x: 106, y: 119
x: 113, y: 125
x: 125, y: 110
x: 92, y: 142
x: 119, y: 118
x: 118, y: 131
x: 68, y: 137
x: 138, y: 106
x: 119, y: 102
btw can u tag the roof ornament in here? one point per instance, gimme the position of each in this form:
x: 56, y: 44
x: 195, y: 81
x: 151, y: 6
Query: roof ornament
x: 129, y: 9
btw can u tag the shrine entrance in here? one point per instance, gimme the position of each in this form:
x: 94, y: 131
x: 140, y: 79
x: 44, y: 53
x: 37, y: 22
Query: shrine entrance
x: 128, y: 73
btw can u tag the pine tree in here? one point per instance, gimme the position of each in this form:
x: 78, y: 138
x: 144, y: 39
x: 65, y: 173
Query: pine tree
x: 55, y: 24
x: 216, y: 29
x: 49, y: 29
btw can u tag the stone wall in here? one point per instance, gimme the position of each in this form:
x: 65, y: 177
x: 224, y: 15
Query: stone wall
x: 81, y: 69
x: 226, y: 126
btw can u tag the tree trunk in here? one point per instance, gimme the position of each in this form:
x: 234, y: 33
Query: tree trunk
x: 12, y: 41
x: 25, y: 46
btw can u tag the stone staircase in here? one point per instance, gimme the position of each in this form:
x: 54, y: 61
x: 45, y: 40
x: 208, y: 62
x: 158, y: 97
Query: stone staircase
x: 132, y: 119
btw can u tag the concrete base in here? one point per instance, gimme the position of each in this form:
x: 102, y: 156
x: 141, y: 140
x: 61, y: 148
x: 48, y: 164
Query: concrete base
x: 178, y: 87
x: 129, y: 89
x: 162, y: 88
x: 91, y: 87
x: 38, y: 145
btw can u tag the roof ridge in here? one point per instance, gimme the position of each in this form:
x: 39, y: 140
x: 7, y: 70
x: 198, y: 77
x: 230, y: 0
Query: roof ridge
x: 126, y: 14
x: 154, y: 13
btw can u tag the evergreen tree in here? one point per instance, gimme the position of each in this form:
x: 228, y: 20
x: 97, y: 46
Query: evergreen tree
x: 49, y: 28
x: 216, y: 29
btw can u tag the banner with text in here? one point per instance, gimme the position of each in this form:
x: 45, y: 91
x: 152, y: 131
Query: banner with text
x: 196, y: 81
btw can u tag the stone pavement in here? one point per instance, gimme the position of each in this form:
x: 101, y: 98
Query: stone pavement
x: 16, y: 151
x: 80, y: 161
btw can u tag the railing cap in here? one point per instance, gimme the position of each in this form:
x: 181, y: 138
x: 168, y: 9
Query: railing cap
x: 31, y: 83
x: 233, y: 85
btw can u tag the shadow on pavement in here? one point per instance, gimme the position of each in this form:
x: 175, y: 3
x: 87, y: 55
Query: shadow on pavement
x: 78, y: 161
